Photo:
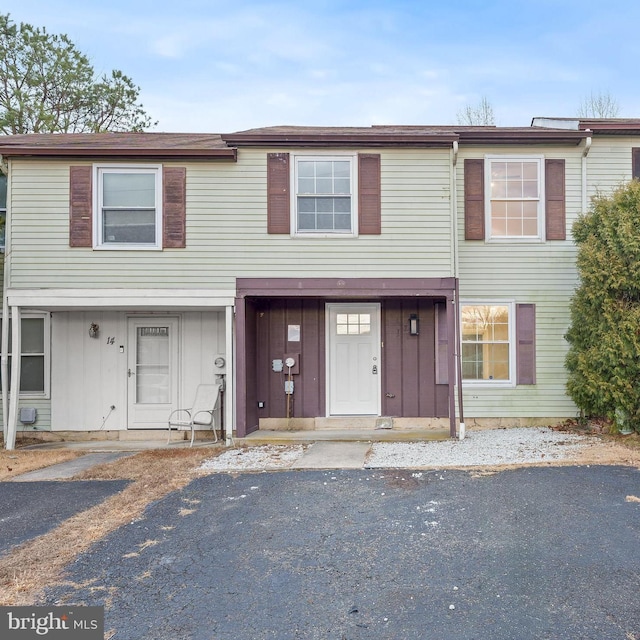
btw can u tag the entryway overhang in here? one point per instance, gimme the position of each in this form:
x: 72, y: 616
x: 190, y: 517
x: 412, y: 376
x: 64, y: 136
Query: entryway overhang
x: 336, y: 289
x: 134, y: 300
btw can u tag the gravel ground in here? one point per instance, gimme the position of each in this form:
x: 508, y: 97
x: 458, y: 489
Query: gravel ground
x: 496, y: 446
x: 489, y: 447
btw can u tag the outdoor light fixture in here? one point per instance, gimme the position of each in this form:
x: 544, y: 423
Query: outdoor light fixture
x: 414, y: 325
x: 93, y: 330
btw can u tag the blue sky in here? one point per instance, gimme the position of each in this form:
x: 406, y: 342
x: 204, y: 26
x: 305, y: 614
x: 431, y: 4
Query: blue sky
x: 210, y: 66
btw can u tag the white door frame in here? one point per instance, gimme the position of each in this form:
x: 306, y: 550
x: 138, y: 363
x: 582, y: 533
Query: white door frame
x: 368, y: 307
x: 153, y: 418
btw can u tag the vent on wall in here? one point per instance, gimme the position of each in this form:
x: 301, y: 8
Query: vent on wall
x: 28, y: 415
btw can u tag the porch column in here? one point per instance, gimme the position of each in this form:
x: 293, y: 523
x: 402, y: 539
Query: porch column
x: 241, y: 368
x: 14, y: 391
x: 230, y: 386
x: 451, y: 362
x: 4, y: 368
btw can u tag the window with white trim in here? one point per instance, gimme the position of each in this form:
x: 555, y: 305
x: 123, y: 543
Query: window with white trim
x: 35, y: 356
x: 128, y: 207
x: 514, y: 198
x: 324, y: 199
x: 487, y: 343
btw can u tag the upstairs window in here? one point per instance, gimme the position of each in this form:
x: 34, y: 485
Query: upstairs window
x: 324, y: 198
x: 514, y: 198
x: 128, y: 210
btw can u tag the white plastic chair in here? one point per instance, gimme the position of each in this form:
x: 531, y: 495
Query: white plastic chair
x: 201, y: 412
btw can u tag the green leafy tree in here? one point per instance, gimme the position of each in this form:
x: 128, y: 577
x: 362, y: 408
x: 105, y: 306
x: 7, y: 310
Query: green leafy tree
x: 604, y: 355
x: 48, y: 86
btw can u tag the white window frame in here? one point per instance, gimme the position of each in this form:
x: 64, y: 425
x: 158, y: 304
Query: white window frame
x: 511, y: 382
x: 353, y: 158
x: 489, y: 159
x: 46, y: 393
x: 98, y: 171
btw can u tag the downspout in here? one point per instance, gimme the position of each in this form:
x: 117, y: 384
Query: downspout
x: 454, y: 207
x: 4, y: 340
x: 456, y: 270
x: 585, y: 153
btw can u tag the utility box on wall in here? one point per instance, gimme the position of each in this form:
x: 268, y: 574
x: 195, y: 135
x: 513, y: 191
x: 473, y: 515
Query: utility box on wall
x: 28, y: 415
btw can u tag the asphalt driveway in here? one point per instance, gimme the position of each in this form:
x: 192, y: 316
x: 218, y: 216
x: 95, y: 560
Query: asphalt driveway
x: 29, y: 509
x: 532, y: 553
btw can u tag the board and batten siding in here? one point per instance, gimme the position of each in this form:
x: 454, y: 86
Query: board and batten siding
x: 226, y: 229
x: 88, y: 376
x: 541, y: 273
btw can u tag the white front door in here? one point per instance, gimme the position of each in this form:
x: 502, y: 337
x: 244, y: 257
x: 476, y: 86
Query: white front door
x: 353, y: 367
x: 152, y: 371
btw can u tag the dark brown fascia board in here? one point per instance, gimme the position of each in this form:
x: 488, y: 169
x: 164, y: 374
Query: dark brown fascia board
x: 526, y: 136
x: 611, y: 128
x: 344, y: 287
x: 338, y: 140
x: 229, y: 155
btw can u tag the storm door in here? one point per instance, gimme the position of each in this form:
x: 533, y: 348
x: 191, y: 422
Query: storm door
x: 152, y: 371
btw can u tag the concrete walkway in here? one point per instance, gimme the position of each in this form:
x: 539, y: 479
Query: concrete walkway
x: 328, y: 449
x: 333, y: 455
x: 66, y: 470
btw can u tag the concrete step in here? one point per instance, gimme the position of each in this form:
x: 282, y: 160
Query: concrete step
x: 263, y: 436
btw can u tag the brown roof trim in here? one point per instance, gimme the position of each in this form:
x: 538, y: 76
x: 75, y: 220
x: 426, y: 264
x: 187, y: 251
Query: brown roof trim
x: 159, y: 154
x: 522, y: 136
x: 611, y: 126
x: 344, y: 287
x: 327, y: 138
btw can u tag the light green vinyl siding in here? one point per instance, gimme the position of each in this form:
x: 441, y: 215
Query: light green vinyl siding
x: 43, y: 420
x: 609, y: 163
x: 226, y: 230
x: 542, y: 273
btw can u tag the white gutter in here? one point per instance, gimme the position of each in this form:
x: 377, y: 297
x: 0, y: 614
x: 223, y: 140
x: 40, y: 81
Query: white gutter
x: 456, y: 269
x: 454, y: 207
x: 585, y: 153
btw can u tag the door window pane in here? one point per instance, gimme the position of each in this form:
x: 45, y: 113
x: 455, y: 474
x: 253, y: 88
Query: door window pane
x: 152, y: 365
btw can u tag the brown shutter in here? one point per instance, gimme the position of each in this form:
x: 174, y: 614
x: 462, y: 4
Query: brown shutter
x: 556, y: 226
x: 473, y: 199
x: 278, y: 198
x: 80, y: 207
x: 442, y: 344
x: 369, y: 207
x: 174, y: 207
x: 525, y: 344
x: 635, y: 163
